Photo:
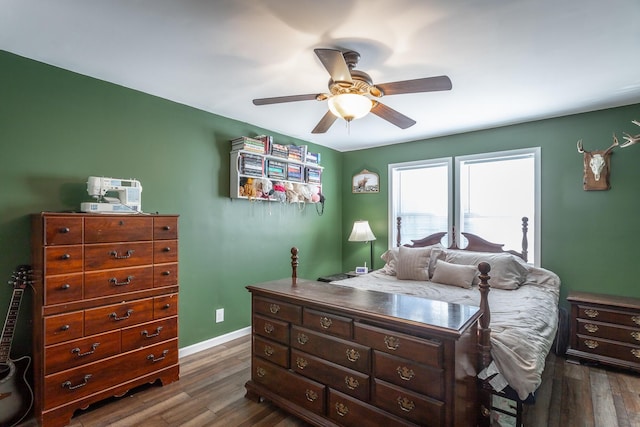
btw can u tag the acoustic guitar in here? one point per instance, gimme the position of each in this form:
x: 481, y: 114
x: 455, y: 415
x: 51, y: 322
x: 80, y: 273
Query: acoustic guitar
x: 16, y: 396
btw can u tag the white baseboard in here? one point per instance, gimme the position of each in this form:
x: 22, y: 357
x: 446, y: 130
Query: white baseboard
x: 204, y: 345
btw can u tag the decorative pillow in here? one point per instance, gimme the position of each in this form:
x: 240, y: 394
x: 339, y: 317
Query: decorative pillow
x: 438, y: 253
x: 507, y: 270
x: 390, y: 258
x: 454, y: 274
x: 413, y: 263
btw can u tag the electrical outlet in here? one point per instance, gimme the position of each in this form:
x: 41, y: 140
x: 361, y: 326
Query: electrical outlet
x: 220, y: 315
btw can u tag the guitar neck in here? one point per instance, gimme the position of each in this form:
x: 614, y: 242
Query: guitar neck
x: 10, y: 325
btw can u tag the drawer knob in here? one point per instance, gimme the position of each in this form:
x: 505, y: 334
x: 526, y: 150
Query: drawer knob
x: 325, y: 322
x: 405, y: 373
x: 301, y: 363
x: 302, y: 339
x: 115, y: 282
x: 636, y: 352
x: 269, y: 328
x: 351, y: 383
x: 93, y: 349
x: 591, y: 327
x: 67, y: 384
x: 353, y: 354
x: 261, y: 372
x: 166, y: 273
x: 166, y: 306
x: 274, y: 308
x: 166, y: 249
x: 636, y: 320
x: 591, y: 312
x: 64, y: 230
x: 115, y: 254
x: 392, y: 343
x: 65, y: 286
x: 126, y: 315
x: 64, y: 327
x: 406, y: 404
x: 311, y: 395
x: 268, y: 351
x: 591, y: 343
x: 146, y: 334
x: 65, y: 256
x: 166, y: 228
x: 342, y: 409
x: 153, y: 358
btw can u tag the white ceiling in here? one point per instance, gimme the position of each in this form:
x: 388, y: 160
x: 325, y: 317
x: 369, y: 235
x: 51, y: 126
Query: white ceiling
x: 510, y: 61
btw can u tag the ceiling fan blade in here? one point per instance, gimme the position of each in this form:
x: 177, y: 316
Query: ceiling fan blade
x: 427, y: 84
x: 334, y: 62
x: 325, y: 123
x: 392, y: 116
x: 280, y: 99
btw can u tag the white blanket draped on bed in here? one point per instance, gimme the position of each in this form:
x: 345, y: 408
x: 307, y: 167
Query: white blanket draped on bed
x: 523, y: 321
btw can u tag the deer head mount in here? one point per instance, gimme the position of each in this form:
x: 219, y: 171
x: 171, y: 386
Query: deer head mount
x: 596, y: 166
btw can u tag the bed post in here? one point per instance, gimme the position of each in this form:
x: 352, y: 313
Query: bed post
x: 484, y: 344
x: 398, y: 226
x: 294, y: 265
x: 525, y: 242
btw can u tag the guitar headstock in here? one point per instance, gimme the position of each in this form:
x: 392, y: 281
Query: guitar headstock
x: 21, y: 277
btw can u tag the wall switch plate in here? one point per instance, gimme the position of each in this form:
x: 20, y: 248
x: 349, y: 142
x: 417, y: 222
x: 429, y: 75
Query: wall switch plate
x: 220, y: 315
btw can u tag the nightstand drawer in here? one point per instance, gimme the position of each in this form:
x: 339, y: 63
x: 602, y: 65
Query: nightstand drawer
x: 604, y: 347
x: 609, y: 331
x: 600, y: 314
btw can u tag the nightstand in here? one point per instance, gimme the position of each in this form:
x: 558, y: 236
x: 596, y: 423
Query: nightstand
x: 337, y: 276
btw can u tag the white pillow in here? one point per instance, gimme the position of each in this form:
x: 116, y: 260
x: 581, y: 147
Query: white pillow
x: 507, y: 270
x: 413, y: 263
x: 390, y: 257
x: 454, y: 274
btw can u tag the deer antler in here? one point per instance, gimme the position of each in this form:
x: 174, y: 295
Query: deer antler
x: 615, y: 144
x: 579, y: 145
x: 631, y: 139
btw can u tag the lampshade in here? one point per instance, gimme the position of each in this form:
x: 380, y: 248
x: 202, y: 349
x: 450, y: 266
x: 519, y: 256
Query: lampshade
x: 350, y: 106
x: 361, y: 232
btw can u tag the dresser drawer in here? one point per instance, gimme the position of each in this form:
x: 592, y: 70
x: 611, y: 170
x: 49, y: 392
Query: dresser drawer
x: 117, y: 316
x: 271, y: 328
x: 78, y: 352
x: 348, y: 411
x: 63, y: 327
x: 348, y: 381
x: 271, y: 351
x: 607, y: 315
x: 117, y: 281
x: 613, y: 349
x: 149, y: 333
x: 336, y: 350
x: 299, y: 390
x: 63, y: 260
x: 278, y: 309
x: 328, y: 323
x: 165, y: 251
x: 103, y: 229
x: 64, y: 288
x: 428, y: 352
x: 165, y: 306
x: 405, y: 373
x: 412, y: 406
x: 117, y: 255
x: 84, y: 380
x: 165, y: 275
x: 165, y: 228
x: 609, y: 331
x: 62, y: 231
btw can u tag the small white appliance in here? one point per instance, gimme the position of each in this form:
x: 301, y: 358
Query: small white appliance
x: 128, y: 200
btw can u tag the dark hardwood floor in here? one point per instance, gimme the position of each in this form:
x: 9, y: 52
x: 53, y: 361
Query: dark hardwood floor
x: 211, y: 393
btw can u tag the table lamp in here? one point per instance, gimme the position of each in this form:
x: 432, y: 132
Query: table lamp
x: 361, y: 232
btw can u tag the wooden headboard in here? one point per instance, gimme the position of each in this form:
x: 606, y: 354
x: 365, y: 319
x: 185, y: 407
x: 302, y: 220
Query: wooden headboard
x: 474, y: 242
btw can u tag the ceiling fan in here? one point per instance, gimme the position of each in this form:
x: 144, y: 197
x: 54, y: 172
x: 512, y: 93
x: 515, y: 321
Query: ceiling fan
x: 352, y: 93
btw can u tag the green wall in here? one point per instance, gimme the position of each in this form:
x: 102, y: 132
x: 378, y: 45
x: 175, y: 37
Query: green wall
x: 589, y: 238
x: 57, y: 128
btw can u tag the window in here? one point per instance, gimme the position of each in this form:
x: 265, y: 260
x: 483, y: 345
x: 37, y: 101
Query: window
x: 488, y: 197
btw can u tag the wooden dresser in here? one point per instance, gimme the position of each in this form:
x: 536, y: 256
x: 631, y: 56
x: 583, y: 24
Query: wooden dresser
x: 105, y: 315
x: 605, y: 329
x: 335, y: 355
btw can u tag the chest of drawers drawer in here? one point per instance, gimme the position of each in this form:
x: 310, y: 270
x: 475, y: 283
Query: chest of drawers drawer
x: 117, y: 255
x: 165, y: 275
x: 409, y: 374
x: 329, y: 323
x: 278, y: 310
x: 63, y: 231
x: 117, y: 281
x: 64, y: 288
x: 271, y: 351
x: 165, y: 228
x: 149, y: 333
x: 271, y: 328
x: 63, y: 260
x: 412, y: 406
x: 63, y: 327
x: 351, y: 412
x: 333, y: 349
x: 116, y: 316
x: 81, y: 351
x: 103, y: 229
x: 165, y: 251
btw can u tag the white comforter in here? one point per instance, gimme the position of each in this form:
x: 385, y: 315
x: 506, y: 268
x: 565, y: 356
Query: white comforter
x: 523, y: 321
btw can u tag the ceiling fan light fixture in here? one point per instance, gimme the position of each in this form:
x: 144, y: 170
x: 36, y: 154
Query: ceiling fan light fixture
x: 350, y: 106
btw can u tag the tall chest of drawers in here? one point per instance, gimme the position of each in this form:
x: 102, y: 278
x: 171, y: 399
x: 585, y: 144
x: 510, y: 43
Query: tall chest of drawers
x: 605, y: 329
x: 335, y: 355
x: 105, y: 308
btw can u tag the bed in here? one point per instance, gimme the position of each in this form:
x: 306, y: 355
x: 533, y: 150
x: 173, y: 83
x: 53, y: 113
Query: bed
x: 518, y: 308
